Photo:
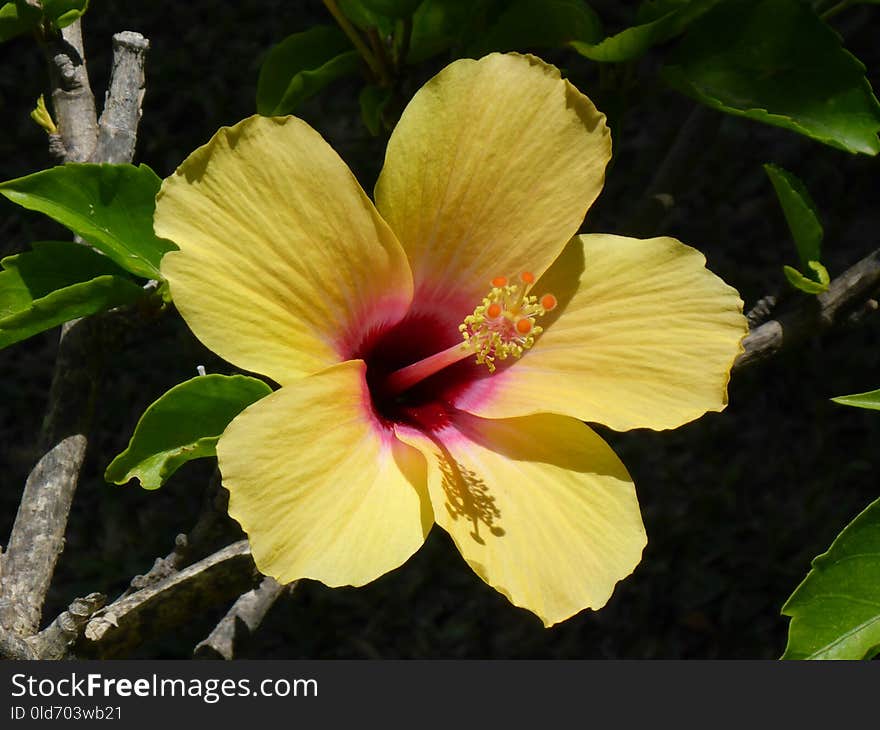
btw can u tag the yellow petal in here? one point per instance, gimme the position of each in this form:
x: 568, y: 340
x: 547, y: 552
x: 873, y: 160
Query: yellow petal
x: 489, y: 173
x: 540, y: 507
x: 283, y: 259
x: 644, y: 337
x: 321, y: 490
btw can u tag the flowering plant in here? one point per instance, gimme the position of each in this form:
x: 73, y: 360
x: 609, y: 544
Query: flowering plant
x: 438, y: 352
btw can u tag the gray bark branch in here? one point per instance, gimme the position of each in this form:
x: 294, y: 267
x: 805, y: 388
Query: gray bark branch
x: 849, y: 298
x: 124, y: 624
x: 72, y: 97
x: 55, y: 640
x: 37, y: 537
x: 241, y: 622
x: 117, y: 128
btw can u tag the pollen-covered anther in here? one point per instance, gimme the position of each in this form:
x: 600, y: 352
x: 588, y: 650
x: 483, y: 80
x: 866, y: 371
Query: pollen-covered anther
x: 503, y: 324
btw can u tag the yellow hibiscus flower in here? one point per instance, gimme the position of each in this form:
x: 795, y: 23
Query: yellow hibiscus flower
x: 385, y: 423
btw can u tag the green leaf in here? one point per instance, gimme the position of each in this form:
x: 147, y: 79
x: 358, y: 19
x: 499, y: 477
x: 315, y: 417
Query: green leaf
x: 539, y: 24
x: 800, y: 213
x: 835, y: 611
x: 799, y: 281
x: 17, y: 19
x: 183, y: 424
x: 111, y: 206
x: 63, y: 12
x: 365, y: 17
x: 55, y: 282
x: 300, y: 66
x: 373, y: 100
x: 440, y: 24
x: 870, y: 400
x: 774, y: 61
x: 661, y: 22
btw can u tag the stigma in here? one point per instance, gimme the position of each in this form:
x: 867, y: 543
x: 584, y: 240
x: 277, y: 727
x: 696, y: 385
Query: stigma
x: 504, y: 324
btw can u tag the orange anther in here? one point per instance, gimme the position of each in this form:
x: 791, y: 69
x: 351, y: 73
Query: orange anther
x: 524, y: 326
x: 499, y: 281
x: 548, y: 302
x: 527, y: 277
x: 494, y: 310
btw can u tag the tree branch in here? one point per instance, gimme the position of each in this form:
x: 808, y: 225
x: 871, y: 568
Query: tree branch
x: 72, y: 98
x: 37, y: 536
x: 55, y: 640
x: 174, y: 600
x: 241, y: 622
x: 117, y: 128
x: 849, y: 298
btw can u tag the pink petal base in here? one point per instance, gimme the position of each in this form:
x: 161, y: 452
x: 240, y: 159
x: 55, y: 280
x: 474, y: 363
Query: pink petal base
x: 425, y: 331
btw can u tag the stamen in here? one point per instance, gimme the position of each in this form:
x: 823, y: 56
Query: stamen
x: 502, y: 326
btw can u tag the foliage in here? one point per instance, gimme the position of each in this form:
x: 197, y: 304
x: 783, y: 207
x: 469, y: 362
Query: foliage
x: 55, y: 282
x: 806, y: 230
x: 870, y: 400
x: 300, y: 66
x: 110, y: 206
x: 183, y: 424
x: 836, y: 610
x: 20, y: 17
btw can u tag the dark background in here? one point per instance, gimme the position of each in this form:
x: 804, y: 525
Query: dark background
x: 735, y: 504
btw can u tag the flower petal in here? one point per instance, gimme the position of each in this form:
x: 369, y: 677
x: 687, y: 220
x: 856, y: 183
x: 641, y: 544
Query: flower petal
x: 283, y: 259
x: 320, y: 488
x: 540, y: 507
x: 489, y: 173
x: 644, y: 337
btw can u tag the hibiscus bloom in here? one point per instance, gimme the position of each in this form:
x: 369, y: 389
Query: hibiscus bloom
x: 387, y: 419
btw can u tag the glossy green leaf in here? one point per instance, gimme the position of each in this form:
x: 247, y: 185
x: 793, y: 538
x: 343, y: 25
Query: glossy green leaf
x: 835, y: 611
x: 54, y: 283
x: 800, y: 213
x: 17, y: 19
x: 300, y: 66
x: 373, y: 100
x: 870, y: 400
x: 666, y: 21
x: 774, y: 61
x: 526, y: 24
x: 111, y: 206
x: 63, y: 12
x: 810, y: 286
x: 183, y: 424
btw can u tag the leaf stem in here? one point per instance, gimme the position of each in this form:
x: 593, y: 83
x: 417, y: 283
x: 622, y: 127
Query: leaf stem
x: 355, y: 38
x: 835, y: 9
x: 381, y: 56
x: 403, y: 38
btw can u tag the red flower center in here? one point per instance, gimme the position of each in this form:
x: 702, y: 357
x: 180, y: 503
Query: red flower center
x: 418, y: 369
x: 426, y: 404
